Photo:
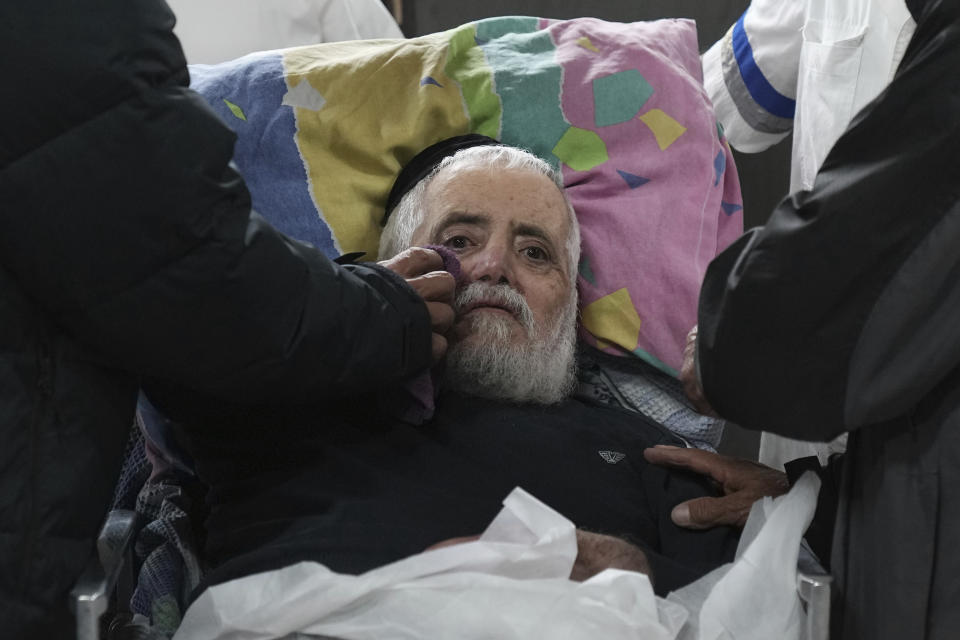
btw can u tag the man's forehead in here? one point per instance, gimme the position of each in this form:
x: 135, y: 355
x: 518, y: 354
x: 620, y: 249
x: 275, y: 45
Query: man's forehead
x: 530, y: 202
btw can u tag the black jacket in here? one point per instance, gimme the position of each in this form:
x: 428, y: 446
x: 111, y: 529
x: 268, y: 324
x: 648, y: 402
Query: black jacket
x: 129, y: 252
x: 843, y: 314
x: 347, y: 485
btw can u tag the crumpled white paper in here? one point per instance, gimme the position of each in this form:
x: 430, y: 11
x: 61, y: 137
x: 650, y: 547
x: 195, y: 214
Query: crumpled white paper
x: 755, y: 597
x: 510, y: 584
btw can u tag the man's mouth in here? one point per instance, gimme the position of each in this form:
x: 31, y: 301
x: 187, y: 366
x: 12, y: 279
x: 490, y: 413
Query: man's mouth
x: 487, y: 306
x: 494, y: 299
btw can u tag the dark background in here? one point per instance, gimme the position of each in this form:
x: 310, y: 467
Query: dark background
x: 764, y: 176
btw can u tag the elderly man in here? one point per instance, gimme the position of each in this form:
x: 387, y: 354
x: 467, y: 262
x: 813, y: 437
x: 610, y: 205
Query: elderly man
x: 514, y: 338
x: 351, y: 482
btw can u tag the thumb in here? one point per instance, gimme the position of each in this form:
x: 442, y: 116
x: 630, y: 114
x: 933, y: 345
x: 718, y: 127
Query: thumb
x: 704, y: 513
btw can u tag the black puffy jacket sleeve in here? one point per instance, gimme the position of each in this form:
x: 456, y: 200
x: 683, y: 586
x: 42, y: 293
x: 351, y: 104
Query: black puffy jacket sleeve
x: 122, y: 219
x: 842, y: 310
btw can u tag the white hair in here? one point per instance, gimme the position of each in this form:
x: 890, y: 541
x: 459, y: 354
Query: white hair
x: 407, y: 216
x: 541, y: 369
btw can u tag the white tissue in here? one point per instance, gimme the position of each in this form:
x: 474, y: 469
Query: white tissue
x: 756, y: 597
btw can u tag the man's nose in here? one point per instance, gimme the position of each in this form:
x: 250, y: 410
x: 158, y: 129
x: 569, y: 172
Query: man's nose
x: 491, y: 264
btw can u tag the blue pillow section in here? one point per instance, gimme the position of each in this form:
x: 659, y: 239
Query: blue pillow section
x: 247, y: 94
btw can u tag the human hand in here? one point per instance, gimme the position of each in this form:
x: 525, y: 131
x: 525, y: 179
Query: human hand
x: 743, y: 482
x: 423, y: 270
x: 449, y: 542
x: 596, y: 552
x: 689, y: 378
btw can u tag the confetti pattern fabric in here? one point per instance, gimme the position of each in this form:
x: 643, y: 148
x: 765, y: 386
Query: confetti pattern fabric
x: 619, y: 109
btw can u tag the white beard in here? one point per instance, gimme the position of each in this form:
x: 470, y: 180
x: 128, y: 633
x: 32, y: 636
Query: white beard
x: 490, y: 364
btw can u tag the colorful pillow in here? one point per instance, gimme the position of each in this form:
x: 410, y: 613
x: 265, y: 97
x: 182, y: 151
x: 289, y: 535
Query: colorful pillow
x: 620, y: 108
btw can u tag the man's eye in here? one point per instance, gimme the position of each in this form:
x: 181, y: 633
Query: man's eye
x: 536, y: 253
x: 457, y: 242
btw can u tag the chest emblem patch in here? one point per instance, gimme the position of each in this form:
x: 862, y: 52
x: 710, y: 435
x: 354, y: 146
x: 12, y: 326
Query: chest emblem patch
x: 612, y: 457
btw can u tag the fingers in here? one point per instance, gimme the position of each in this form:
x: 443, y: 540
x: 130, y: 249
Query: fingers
x: 743, y: 483
x: 438, y: 347
x: 689, y: 378
x: 705, y: 463
x: 452, y: 541
x: 436, y: 285
x: 704, y: 513
x: 441, y: 316
x: 414, y: 262
x: 422, y: 269
x: 441, y: 319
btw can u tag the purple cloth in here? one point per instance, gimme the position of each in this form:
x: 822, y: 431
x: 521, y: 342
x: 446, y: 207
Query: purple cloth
x: 451, y: 262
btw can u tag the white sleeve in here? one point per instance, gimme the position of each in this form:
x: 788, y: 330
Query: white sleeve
x: 356, y: 20
x: 751, y: 74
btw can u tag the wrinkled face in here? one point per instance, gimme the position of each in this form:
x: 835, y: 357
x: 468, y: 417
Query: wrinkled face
x: 507, y: 227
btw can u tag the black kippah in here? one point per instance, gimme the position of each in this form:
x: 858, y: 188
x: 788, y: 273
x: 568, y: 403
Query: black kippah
x: 426, y: 161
